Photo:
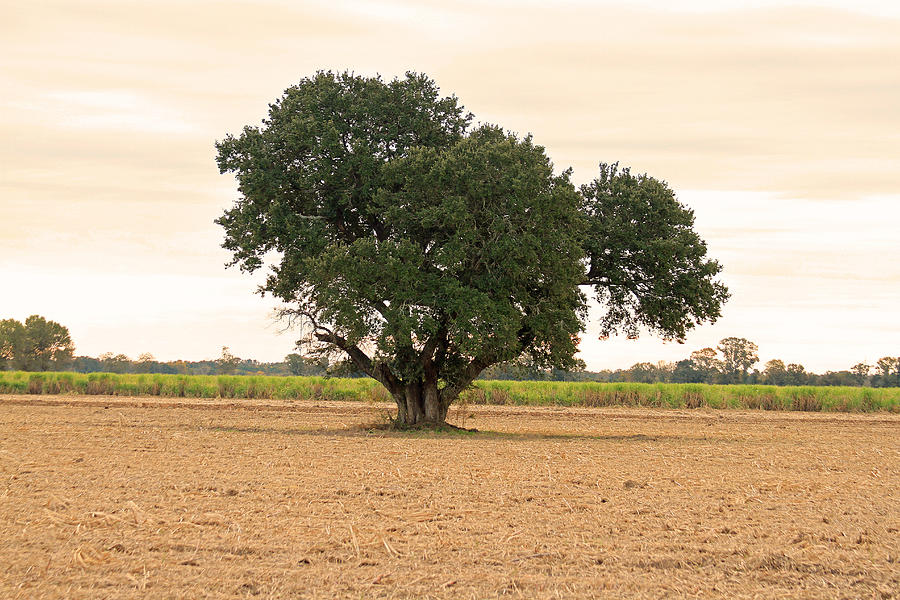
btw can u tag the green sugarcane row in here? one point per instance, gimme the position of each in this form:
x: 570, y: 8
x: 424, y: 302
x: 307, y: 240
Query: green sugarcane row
x: 527, y: 393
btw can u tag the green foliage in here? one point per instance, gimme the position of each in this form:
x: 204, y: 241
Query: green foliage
x: 796, y: 374
x: 738, y: 356
x: 48, y: 344
x: 888, y: 371
x: 861, y: 372
x: 684, y: 372
x: 427, y: 252
x: 305, y: 365
x: 645, y: 372
x: 228, y: 362
x: 706, y: 364
x: 13, y: 345
x: 670, y: 395
x: 189, y: 386
x: 145, y: 363
x: 114, y: 363
x: 646, y: 263
x: 775, y: 372
x: 532, y: 393
x: 38, y: 345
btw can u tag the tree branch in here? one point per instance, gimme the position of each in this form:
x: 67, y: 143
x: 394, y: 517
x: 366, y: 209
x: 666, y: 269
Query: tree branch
x: 377, y: 371
x: 435, y: 344
x: 359, y: 358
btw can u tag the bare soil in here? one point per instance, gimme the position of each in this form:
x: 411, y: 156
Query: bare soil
x: 139, y: 497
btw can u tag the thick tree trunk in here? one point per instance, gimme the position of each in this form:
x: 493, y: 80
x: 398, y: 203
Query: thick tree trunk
x: 419, y: 403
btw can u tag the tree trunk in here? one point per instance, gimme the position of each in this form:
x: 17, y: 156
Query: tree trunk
x: 419, y: 403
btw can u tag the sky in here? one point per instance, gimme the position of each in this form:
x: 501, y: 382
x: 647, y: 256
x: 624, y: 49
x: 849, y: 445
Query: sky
x: 778, y: 123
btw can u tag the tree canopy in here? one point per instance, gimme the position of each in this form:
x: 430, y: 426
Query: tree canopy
x: 36, y: 345
x: 739, y: 355
x: 427, y: 250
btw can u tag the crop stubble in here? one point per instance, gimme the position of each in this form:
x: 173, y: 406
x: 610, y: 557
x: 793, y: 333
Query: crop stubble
x: 136, y: 497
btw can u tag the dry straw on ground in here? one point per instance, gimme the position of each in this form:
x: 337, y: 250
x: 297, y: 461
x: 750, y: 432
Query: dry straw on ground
x: 136, y: 497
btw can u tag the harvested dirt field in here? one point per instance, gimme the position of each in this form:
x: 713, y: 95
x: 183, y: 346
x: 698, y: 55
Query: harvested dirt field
x: 154, y: 498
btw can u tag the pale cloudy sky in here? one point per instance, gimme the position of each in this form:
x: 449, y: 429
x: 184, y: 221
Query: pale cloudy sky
x: 778, y: 122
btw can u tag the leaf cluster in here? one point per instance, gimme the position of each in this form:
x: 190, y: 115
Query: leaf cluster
x: 646, y: 263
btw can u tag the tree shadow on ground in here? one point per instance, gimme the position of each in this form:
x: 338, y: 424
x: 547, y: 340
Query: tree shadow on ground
x: 381, y: 431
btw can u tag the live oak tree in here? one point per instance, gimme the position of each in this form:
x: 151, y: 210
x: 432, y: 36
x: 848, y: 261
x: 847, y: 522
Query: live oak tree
x: 426, y: 250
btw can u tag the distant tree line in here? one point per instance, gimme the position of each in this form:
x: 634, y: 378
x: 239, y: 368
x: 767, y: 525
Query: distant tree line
x: 732, y: 361
x: 226, y: 364
x: 42, y: 345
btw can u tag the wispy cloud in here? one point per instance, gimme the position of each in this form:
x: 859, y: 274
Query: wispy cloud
x: 105, y: 110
